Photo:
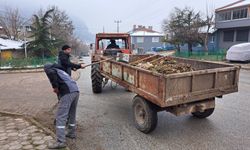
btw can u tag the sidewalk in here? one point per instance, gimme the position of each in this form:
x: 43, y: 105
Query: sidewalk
x: 18, y: 133
x: 29, y: 94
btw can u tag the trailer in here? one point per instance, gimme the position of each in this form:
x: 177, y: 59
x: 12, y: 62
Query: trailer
x: 190, y: 92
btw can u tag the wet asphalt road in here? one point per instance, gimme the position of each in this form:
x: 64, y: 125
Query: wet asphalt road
x: 105, y: 122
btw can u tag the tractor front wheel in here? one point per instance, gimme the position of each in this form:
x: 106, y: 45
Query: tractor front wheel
x: 96, y: 78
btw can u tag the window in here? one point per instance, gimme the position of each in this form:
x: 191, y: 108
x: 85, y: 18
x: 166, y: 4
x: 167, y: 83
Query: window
x: 140, y: 39
x: 155, y: 39
x: 212, y: 39
x: 225, y: 16
x: 240, y: 13
x: 228, y: 36
x: 242, y: 35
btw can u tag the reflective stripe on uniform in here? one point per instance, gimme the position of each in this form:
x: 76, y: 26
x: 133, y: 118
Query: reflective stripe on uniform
x: 60, y: 127
x: 72, y: 125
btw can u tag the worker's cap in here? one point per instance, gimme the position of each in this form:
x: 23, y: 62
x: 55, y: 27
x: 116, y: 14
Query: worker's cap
x: 65, y: 47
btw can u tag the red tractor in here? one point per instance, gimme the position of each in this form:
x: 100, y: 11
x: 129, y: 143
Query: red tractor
x: 107, y: 44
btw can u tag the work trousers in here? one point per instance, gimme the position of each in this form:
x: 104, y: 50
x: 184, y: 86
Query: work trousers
x: 66, y: 110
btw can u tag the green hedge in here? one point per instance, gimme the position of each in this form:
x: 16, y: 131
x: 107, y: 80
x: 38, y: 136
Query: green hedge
x: 27, y: 62
x: 201, y: 55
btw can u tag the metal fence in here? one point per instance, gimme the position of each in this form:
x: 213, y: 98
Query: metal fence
x: 201, y: 55
x: 26, y: 62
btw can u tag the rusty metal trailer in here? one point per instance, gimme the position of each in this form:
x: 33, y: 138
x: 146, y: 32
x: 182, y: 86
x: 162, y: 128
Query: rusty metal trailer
x: 179, y: 93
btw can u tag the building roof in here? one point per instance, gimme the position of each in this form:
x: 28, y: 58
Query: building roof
x: 10, y: 44
x: 240, y: 3
x: 144, y: 31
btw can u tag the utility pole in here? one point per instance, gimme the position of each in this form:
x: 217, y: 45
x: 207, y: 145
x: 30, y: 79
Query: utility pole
x: 25, y: 41
x: 118, y: 22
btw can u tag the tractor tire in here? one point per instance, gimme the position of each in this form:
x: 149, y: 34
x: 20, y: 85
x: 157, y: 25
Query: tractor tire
x: 204, y: 114
x: 96, y: 78
x: 144, y: 115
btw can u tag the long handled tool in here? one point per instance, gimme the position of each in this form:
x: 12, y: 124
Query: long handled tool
x: 143, y: 59
x: 97, y: 62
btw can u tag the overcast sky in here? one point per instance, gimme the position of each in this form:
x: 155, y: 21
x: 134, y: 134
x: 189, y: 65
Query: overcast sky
x: 97, y: 14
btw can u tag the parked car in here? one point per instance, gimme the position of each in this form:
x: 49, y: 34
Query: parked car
x: 239, y: 52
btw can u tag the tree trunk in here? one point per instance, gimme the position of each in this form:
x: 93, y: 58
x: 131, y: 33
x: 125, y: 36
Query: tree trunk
x: 190, y: 49
x: 178, y: 47
x: 206, y: 42
x: 206, y: 39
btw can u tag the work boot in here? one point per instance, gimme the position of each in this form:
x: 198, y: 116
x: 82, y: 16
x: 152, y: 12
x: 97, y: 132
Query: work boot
x: 71, y: 136
x: 57, y: 145
x: 71, y: 132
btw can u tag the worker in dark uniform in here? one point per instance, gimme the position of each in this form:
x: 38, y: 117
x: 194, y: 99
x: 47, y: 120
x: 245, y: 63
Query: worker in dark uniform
x: 68, y: 91
x: 112, y: 45
x: 64, y: 61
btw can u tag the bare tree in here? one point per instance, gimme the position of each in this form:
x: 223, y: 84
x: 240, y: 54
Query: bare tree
x: 183, y: 26
x: 61, y: 25
x: 11, y: 21
x: 78, y: 46
x: 209, y: 22
x: 62, y: 28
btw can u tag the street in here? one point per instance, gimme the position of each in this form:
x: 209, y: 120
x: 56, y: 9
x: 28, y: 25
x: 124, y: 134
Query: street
x: 105, y: 122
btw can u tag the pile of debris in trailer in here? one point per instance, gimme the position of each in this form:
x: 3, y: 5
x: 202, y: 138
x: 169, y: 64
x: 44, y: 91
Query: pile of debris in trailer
x: 166, y: 66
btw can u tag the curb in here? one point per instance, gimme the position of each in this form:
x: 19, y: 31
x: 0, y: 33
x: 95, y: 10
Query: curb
x: 21, y: 71
x: 34, y: 122
x: 78, y: 73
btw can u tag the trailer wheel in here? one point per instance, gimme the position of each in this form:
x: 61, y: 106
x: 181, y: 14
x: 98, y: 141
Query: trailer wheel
x: 96, y: 78
x: 144, y: 115
x: 204, y: 114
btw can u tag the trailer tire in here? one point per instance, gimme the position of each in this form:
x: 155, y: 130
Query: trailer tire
x: 204, y: 114
x: 96, y: 78
x: 144, y: 115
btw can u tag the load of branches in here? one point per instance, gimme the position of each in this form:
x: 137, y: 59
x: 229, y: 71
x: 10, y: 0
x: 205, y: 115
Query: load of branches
x: 166, y: 66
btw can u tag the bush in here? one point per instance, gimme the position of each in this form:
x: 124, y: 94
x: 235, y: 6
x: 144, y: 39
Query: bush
x: 201, y: 55
x: 27, y: 62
